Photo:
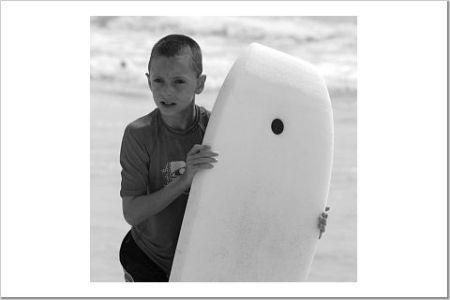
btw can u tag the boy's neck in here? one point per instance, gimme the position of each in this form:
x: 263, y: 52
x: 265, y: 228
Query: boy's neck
x: 181, y: 121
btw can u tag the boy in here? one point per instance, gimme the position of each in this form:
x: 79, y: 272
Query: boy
x: 156, y: 173
x: 161, y: 152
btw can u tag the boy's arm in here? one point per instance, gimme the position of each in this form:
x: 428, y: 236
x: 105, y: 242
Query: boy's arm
x: 138, y: 208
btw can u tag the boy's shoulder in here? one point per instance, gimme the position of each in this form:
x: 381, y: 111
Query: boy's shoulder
x: 203, y: 118
x: 142, y: 124
x: 204, y: 113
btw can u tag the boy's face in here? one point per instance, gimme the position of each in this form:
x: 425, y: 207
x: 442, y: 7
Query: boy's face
x: 174, y: 83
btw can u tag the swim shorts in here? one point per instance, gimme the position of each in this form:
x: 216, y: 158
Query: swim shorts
x: 137, y: 266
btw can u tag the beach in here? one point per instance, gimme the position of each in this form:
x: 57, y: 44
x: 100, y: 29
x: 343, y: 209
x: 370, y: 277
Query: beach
x: 119, y: 95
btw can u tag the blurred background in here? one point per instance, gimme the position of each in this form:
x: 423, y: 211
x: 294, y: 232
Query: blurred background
x: 120, y: 49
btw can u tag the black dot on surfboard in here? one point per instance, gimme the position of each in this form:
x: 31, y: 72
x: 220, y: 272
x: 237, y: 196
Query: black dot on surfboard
x: 277, y: 126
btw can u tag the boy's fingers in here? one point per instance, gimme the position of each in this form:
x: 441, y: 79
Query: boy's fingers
x: 203, y: 166
x: 203, y: 160
x: 202, y: 154
x: 196, y: 148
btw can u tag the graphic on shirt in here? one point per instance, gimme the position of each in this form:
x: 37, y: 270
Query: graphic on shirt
x: 172, y: 170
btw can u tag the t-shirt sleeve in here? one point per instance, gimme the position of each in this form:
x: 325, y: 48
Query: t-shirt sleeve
x: 135, y: 162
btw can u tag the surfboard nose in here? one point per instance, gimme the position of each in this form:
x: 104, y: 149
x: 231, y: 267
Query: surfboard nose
x: 274, y: 66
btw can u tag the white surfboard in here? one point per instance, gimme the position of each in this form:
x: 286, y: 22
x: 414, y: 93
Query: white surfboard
x: 254, y: 216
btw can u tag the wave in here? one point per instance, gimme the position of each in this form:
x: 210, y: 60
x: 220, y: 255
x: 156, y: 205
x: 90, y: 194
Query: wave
x: 120, y: 46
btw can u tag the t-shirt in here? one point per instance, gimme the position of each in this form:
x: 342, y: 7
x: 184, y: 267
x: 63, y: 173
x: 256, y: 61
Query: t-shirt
x: 152, y: 155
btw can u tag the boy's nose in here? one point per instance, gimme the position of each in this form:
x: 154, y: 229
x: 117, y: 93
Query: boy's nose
x: 167, y: 91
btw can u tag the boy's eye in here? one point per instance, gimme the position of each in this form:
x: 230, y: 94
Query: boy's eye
x: 157, y: 80
x: 179, y: 81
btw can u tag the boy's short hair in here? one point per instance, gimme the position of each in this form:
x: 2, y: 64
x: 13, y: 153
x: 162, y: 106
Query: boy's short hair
x: 173, y: 45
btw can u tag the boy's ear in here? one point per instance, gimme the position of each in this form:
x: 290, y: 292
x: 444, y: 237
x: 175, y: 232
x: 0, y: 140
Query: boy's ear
x: 148, y: 80
x: 200, y: 84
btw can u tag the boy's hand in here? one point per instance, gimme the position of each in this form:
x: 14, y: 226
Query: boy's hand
x: 323, y: 221
x: 199, y: 157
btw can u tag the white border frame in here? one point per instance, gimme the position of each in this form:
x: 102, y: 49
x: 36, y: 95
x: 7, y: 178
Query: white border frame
x: 402, y: 142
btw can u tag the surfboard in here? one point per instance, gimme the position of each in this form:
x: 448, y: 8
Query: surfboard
x: 254, y: 216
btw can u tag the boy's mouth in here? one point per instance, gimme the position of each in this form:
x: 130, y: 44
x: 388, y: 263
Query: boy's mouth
x: 167, y: 104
